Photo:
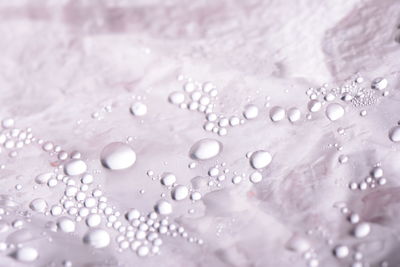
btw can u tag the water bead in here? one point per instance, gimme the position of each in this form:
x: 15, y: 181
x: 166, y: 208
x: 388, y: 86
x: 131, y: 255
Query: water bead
x: 179, y: 192
x: 260, y: 159
x: 117, y: 156
x: 138, y: 109
x: 250, y: 112
x: 394, y: 134
x: 379, y: 83
x: 75, y: 167
x: 277, y: 114
x: 97, y: 238
x: 163, y: 207
x: 205, y: 149
x: 334, y: 111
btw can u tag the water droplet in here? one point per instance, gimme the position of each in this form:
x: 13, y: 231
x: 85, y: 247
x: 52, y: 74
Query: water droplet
x: 179, y: 192
x: 97, y: 238
x: 66, y: 225
x: 25, y: 254
x: 314, y: 105
x: 362, y: 230
x: 93, y: 220
x: 176, y: 98
x: 43, y: 178
x: 256, y: 177
x: 334, y: 111
x: 377, y: 172
x: 117, y: 156
x: 297, y: 243
x: 341, y: 251
x: 260, y: 159
x: 379, y: 83
x: 394, y: 134
x: 168, y: 179
x: 250, y: 112
x: 8, y: 123
x: 75, y: 167
x: 277, y: 114
x: 294, y: 114
x: 142, y: 251
x: 205, y: 149
x: 163, y: 207
x: 138, y: 109
x: 38, y: 205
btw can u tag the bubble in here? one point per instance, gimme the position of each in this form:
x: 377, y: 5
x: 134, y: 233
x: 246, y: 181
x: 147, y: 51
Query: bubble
x: 341, y: 251
x: 168, y: 179
x: 362, y: 230
x: 294, y: 114
x: 25, y: 254
x: 277, y: 114
x: 117, y: 156
x: 314, y: 105
x: 394, y: 134
x: 38, y: 205
x: 379, y: 83
x: 256, y: 177
x: 138, y: 109
x: 66, y: 225
x: 176, y: 98
x: 179, y: 192
x: 260, y: 159
x: 163, y: 207
x: 205, y: 149
x: 93, y: 220
x: 75, y: 167
x: 334, y: 111
x: 250, y: 112
x: 97, y: 238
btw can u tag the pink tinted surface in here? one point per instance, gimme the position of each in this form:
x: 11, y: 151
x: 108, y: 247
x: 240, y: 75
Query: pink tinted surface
x: 71, y: 69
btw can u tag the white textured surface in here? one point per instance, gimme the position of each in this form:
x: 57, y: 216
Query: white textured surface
x: 70, y: 70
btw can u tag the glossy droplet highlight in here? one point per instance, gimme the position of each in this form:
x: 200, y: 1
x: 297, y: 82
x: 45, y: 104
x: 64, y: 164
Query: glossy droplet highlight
x: 138, y: 109
x: 75, y: 167
x: 205, y: 149
x: 117, y: 156
x: 277, y: 114
x: 163, y: 207
x: 294, y: 114
x: 334, y: 111
x: 97, y: 238
x: 179, y: 192
x: 394, y: 134
x: 260, y: 159
x: 250, y: 112
x: 25, y: 254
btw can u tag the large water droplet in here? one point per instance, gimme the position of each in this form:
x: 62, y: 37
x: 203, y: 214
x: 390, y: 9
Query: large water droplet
x: 277, y: 114
x: 138, y: 109
x: 179, y: 192
x: 362, y: 230
x: 163, y: 207
x: 205, y: 149
x: 66, y: 225
x: 294, y: 114
x: 394, y: 134
x: 25, y: 254
x: 260, y: 159
x: 168, y: 179
x: 314, y: 105
x: 38, y: 205
x: 250, y: 112
x: 97, y: 238
x: 334, y: 111
x: 44, y: 178
x: 379, y: 83
x: 75, y: 167
x: 117, y: 156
